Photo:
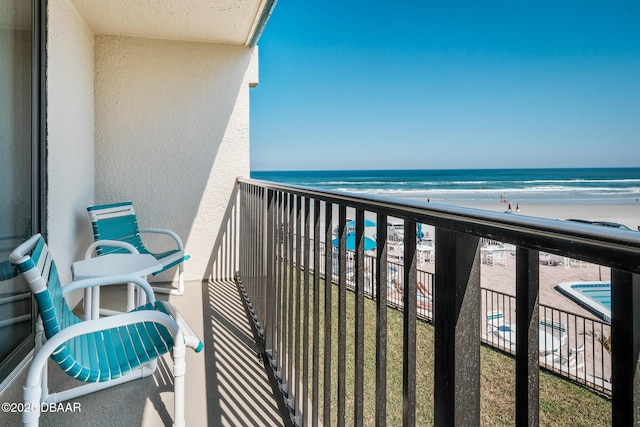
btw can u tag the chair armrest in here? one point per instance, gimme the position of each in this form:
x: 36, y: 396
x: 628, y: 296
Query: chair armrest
x: 111, y: 280
x: 92, y: 247
x: 167, y: 232
x: 190, y: 337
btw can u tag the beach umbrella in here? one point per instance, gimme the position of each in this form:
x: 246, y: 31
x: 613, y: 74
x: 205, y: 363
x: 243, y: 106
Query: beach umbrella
x: 367, y: 223
x: 369, y: 243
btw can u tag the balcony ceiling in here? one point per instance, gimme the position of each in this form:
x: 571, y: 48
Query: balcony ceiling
x: 213, y: 21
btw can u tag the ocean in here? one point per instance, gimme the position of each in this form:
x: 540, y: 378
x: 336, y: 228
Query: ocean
x: 469, y: 187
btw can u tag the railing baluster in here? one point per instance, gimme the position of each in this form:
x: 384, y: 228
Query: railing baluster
x: 381, y: 281
x: 342, y: 314
x: 297, y: 366
x: 625, y: 348
x: 328, y: 275
x: 456, y: 320
x: 270, y: 299
x: 305, y: 311
x: 316, y: 313
x: 359, y: 322
x: 527, y: 345
x: 409, y: 326
x: 290, y: 304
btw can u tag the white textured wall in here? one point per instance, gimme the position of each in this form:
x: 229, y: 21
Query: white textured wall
x: 70, y: 138
x: 172, y: 134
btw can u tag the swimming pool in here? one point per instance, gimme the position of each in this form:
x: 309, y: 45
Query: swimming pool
x: 593, y: 296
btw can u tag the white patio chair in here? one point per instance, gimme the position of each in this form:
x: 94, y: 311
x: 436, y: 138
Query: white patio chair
x: 102, y: 352
x: 117, y: 221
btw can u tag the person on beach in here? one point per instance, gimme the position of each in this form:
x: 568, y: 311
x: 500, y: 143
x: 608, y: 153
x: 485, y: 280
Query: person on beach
x: 509, y: 208
x: 517, y: 207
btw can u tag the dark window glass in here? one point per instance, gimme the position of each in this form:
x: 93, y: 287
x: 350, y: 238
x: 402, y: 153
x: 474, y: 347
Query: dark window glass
x: 16, y: 186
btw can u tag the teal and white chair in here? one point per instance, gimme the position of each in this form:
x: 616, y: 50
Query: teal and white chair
x: 117, y: 223
x: 102, y: 352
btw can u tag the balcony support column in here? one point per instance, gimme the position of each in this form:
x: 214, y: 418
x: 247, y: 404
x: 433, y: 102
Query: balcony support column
x: 625, y: 348
x: 457, y: 329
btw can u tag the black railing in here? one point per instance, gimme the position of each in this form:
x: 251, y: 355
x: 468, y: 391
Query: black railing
x: 278, y: 224
x: 581, y: 355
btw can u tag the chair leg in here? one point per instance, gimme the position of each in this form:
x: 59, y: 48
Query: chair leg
x: 179, y: 370
x: 31, y: 417
x: 181, y: 279
x: 32, y: 391
x: 180, y: 290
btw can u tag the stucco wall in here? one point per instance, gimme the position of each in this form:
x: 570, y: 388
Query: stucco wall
x: 172, y: 134
x: 70, y: 133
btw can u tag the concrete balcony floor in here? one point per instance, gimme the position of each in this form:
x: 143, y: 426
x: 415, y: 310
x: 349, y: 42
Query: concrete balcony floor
x: 226, y: 384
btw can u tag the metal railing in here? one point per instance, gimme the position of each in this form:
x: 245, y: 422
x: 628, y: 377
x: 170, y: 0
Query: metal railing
x: 281, y: 231
x: 580, y: 354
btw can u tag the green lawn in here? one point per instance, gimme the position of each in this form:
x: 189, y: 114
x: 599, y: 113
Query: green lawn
x: 561, y: 402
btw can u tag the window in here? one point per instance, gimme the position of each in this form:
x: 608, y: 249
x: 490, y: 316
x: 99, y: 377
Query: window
x: 20, y: 154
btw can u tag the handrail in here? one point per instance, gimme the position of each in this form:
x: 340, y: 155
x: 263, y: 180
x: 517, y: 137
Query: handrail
x: 619, y: 249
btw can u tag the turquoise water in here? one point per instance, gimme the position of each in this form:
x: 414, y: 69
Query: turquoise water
x: 593, y: 296
x: 476, y: 186
x: 600, y: 293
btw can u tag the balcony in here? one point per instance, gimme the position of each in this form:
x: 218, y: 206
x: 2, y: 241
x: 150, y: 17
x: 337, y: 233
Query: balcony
x: 266, y: 333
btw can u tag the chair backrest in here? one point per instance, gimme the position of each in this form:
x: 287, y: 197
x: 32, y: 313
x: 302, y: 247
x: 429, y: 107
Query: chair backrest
x: 115, y: 221
x: 34, y: 261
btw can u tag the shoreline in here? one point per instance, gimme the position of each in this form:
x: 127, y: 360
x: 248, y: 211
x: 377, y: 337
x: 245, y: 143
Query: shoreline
x: 626, y: 214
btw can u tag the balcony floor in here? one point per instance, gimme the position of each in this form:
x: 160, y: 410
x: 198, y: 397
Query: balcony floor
x: 226, y: 384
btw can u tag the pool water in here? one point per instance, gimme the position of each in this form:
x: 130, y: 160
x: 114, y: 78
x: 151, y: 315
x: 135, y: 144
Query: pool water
x: 593, y: 296
x: 599, y: 292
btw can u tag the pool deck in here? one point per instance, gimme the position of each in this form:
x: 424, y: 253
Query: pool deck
x: 502, y: 278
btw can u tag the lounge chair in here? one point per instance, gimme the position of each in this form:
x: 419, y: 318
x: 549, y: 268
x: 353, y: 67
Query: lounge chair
x: 500, y: 331
x: 117, y: 222
x: 554, y: 328
x: 102, y: 352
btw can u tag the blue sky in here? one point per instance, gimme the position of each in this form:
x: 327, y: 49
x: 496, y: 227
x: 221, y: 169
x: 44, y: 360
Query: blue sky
x: 424, y: 85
